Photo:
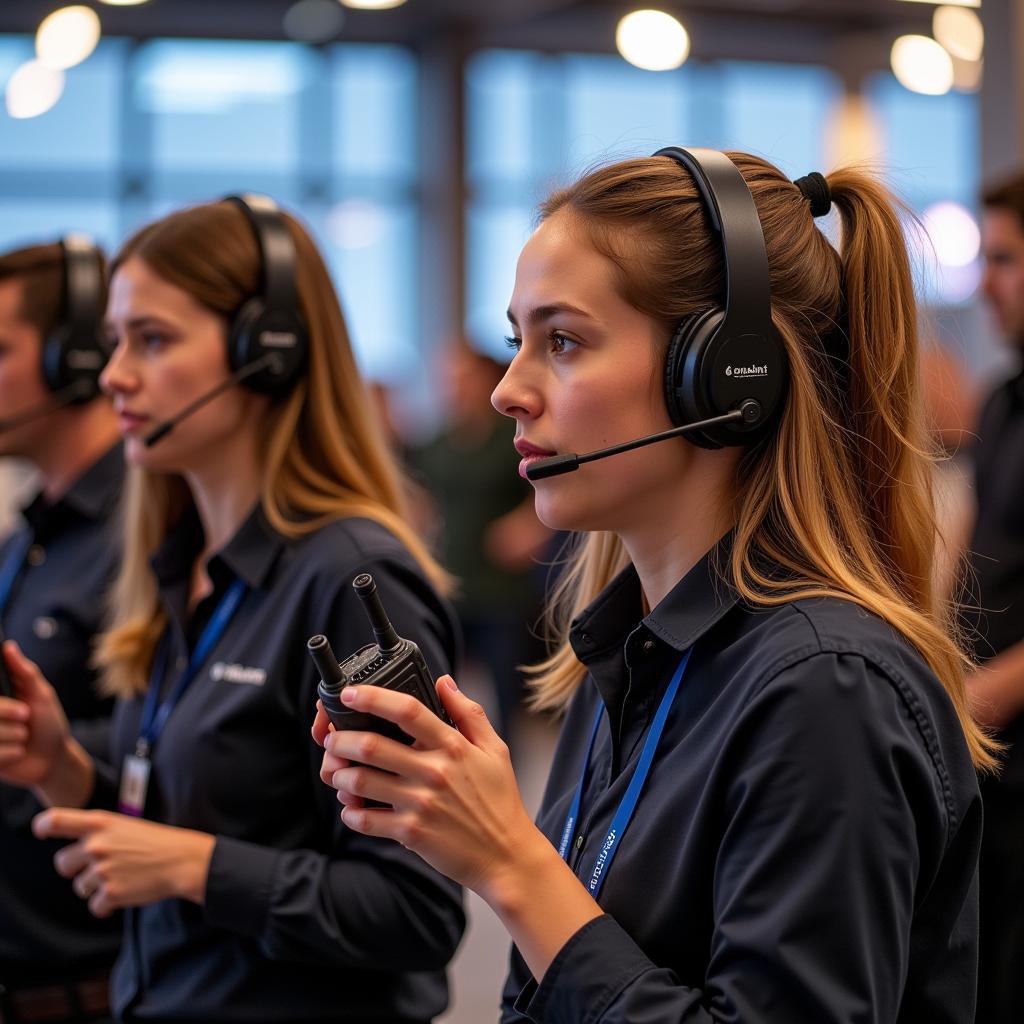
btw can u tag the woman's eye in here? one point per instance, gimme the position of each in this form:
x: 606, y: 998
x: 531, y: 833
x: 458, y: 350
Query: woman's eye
x: 561, y: 345
x: 514, y: 343
x: 153, y: 340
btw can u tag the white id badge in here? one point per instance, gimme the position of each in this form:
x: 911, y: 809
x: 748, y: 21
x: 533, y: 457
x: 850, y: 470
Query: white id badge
x: 131, y: 798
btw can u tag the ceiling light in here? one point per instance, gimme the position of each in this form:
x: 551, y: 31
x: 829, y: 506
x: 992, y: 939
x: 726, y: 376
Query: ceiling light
x: 313, y: 21
x: 953, y: 233
x: 652, y: 40
x: 124, y: 3
x: 33, y: 89
x: 957, y: 3
x: 967, y: 74
x: 372, y: 5
x: 66, y: 37
x: 922, y: 65
x: 960, y: 31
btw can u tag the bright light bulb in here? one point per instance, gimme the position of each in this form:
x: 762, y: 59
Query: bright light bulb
x: 372, y: 5
x: 33, y: 89
x: 921, y: 65
x: 652, y: 40
x: 953, y: 233
x: 124, y: 3
x: 960, y: 31
x: 66, y: 37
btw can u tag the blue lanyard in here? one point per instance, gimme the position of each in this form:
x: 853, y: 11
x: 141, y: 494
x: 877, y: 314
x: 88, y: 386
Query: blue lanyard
x: 154, y: 716
x: 12, y: 567
x: 627, y: 805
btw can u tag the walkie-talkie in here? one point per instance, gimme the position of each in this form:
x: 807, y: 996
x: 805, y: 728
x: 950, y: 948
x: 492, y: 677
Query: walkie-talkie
x: 391, y: 662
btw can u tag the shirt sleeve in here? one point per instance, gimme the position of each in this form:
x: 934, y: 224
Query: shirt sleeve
x: 365, y: 902
x: 833, y: 816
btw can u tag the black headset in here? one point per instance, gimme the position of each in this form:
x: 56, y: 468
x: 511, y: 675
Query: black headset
x: 269, y: 326
x: 721, y: 358
x: 73, y: 353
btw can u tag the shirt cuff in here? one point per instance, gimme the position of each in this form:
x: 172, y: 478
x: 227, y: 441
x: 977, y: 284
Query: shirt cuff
x: 105, y: 787
x: 586, y: 976
x: 239, y: 886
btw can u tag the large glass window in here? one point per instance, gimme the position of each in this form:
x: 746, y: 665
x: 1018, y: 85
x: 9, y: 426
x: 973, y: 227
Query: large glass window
x: 142, y: 129
x: 536, y: 121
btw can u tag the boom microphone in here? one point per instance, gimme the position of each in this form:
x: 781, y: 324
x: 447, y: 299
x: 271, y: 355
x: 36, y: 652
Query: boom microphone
x: 159, y: 432
x: 74, y: 392
x: 748, y: 411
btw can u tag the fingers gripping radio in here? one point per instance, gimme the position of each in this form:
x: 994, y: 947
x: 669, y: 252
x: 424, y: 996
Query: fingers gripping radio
x: 391, y: 662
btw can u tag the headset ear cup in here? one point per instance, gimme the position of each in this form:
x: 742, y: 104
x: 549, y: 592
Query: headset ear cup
x: 70, y: 362
x: 242, y: 334
x: 53, y: 358
x: 256, y: 331
x: 685, y: 395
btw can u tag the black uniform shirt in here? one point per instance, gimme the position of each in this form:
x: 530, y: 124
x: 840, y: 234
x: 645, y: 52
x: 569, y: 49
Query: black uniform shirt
x: 996, y: 552
x: 805, y: 849
x: 53, y: 611
x: 304, y: 920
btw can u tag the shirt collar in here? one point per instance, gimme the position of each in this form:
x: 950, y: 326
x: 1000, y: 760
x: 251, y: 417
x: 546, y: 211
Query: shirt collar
x: 93, y: 495
x: 699, y: 600
x: 250, y: 555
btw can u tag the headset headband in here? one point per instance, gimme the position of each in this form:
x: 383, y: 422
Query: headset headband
x: 733, y: 215
x: 83, y: 286
x: 276, y: 248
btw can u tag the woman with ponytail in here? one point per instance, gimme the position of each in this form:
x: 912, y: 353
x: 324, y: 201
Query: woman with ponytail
x: 763, y: 807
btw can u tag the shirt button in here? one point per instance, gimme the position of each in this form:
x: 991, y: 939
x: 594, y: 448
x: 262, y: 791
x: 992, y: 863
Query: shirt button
x: 648, y: 645
x: 35, y: 555
x: 44, y: 627
x: 587, y: 638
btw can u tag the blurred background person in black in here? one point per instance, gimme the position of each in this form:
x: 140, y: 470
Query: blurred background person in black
x: 488, y: 534
x: 243, y: 528
x: 55, y: 956
x: 995, y: 615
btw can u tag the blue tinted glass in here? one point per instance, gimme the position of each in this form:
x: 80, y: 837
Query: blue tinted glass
x: 371, y: 249
x: 374, y: 97
x: 494, y: 237
x: 81, y: 130
x: 25, y: 222
x: 500, y: 91
x: 615, y: 110
x: 776, y: 111
x: 218, y: 105
x: 931, y: 141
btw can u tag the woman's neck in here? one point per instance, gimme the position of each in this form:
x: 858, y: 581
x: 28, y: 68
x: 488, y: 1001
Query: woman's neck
x: 664, y: 548
x: 78, y: 439
x: 225, y: 492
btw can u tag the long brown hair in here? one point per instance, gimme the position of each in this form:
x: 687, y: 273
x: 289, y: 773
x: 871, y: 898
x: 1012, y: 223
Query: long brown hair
x: 323, y: 453
x: 840, y: 496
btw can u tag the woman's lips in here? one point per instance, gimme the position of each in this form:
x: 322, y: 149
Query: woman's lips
x: 530, y: 454
x: 131, y: 422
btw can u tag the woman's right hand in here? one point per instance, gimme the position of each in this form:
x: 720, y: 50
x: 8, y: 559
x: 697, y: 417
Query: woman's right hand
x: 34, y: 730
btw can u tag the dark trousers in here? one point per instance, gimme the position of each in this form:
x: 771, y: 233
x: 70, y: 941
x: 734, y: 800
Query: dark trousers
x: 1001, y: 884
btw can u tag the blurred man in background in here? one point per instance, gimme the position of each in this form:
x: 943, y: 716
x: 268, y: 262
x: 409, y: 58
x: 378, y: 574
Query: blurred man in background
x: 996, y: 589
x: 54, y: 568
x: 488, y: 534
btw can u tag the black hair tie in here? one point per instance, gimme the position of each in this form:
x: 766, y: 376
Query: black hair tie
x: 815, y: 188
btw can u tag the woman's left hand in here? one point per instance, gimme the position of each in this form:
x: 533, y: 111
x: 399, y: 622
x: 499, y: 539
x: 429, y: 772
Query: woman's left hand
x: 120, y: 861
x: 453, y: 795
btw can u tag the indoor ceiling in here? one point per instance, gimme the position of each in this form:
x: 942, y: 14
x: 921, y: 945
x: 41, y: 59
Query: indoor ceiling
x: 835, y: 32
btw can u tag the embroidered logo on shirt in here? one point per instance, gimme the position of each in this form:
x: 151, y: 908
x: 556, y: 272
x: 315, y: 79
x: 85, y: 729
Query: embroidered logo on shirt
x: 235, y: 673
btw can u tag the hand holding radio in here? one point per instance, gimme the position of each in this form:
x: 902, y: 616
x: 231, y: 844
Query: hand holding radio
x: 391, y: 662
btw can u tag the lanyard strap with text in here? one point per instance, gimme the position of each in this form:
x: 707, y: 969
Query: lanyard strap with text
x: 627, y: 805
x: 13, y: 564
x: 154, y: 713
